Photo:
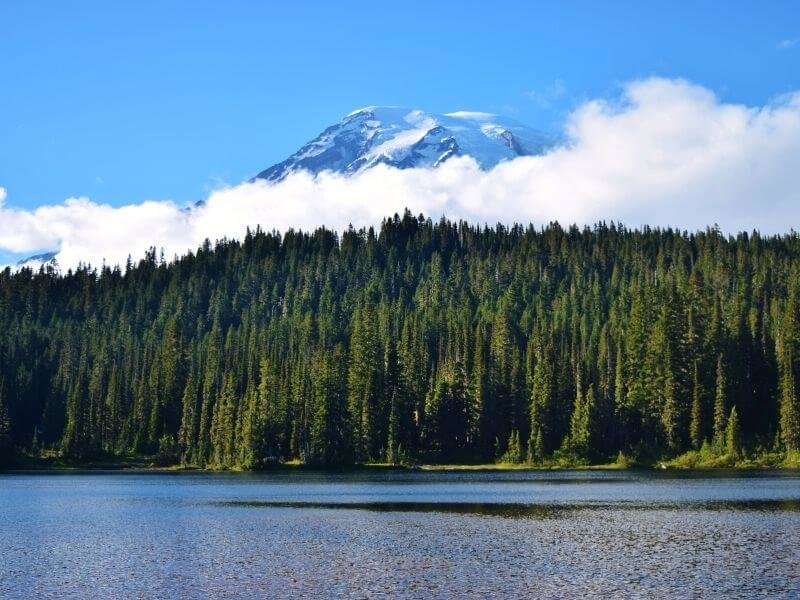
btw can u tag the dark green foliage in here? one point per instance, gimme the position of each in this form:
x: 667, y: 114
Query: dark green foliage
x: 582, y: 438
x: 720, y: 401
x: 789, y: 360
x: 421, y: 341
x: 696, y: 432
x: 331, y: 436
x: 5, y: 430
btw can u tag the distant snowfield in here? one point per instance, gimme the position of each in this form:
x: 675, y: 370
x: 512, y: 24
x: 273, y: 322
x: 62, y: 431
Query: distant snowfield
x: 665, y: 153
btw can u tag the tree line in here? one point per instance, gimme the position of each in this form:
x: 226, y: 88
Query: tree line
x: 418, y: 341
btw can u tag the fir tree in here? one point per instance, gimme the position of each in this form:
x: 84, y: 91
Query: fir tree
x: 720, y: 401
x: 733, y: 435
x: 788, y: 358
x: 696, y: 427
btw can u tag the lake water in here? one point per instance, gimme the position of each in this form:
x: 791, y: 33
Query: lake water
x: 400, y: 534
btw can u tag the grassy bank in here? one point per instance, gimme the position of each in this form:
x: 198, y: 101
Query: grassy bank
x: 520, y: 467
x: 700, y: 459
x: 53, y: 461
x: 703, y: 459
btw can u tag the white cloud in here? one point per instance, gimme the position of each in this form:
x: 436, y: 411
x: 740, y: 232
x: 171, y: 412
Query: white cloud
x: 665, y: 153
x: 788, y: 43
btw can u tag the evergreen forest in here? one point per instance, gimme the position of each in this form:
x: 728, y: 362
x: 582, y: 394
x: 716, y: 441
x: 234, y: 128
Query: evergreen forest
x: 416, y: 342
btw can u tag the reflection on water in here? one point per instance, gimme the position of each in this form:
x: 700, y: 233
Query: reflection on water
x: 401, y: 534
x: 497, y: 509
x: 459, y: 508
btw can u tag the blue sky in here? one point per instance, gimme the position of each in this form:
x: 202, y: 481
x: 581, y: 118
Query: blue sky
x: 165, y: 100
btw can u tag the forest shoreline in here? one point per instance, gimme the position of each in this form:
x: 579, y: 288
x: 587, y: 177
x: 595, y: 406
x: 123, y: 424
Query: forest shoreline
x: 149, y: 464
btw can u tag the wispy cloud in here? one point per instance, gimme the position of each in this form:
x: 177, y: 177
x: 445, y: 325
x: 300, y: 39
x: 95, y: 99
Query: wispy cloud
x: 546, y: 97
x: 788, y: 43
x: 666, y: 152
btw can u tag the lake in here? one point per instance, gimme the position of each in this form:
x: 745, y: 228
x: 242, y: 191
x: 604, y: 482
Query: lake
x: 400, y: 534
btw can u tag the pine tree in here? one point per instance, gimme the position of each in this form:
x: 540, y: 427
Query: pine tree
x: 515, y: 453
x: 330, y: 429
x: 479, y: 435
x: 272, y: 410
x: 187, y: 435
x: 249, y: 432
x: 502, y: 356
x: 363, y: 383
x: 720, y: 402
x: 211, y: 382
x: 733, y: 435
x: 621, y: 412
x: 542, y: 399
x: 581, y: 439
x: 696, y: 427
x: 222, y: 425
x: 76, y: 442
x: 672, y: 417
x: 789, y: 344
x: 393, y: 445
x: 108, y: 433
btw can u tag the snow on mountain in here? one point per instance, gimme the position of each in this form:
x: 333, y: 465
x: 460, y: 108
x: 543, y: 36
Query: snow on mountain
x: 407, y: 138
x: 38, y: 260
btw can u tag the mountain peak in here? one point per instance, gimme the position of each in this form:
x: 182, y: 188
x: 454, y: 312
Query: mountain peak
x: 411, y: 138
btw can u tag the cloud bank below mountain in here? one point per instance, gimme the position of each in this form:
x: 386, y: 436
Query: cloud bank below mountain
x: 664, y: 153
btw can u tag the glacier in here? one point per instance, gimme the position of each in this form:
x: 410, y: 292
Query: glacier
x: 407, y: 138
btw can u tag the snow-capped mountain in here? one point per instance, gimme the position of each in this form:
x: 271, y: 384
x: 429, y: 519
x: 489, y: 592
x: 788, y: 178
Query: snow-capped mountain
x: 38, y: 260
x: 398, y: 137
x: 406, y: 138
